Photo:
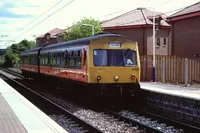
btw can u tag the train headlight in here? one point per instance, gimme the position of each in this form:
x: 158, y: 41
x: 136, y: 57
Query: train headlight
x: 99, y: 77
x: 116, y: 78
x: 133, y: 77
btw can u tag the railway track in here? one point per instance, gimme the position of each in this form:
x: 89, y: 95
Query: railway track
x: 124, y: 125
x: 106, y: 119
x: 52, y: 109
x: 13, y: 72
x: 145, y: 123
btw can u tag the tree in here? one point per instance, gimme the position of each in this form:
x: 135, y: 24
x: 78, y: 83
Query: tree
x: 11, y: 57
x: 12, y: 52
x: 78, y: 30
x: 25, y: 45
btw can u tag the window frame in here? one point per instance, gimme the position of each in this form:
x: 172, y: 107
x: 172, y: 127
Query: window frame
x: 158, y: 42
x: 164, y: 42
x: 109, y: 61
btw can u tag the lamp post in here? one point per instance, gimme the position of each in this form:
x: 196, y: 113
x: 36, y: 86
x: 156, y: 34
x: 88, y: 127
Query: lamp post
x: 90, y: 26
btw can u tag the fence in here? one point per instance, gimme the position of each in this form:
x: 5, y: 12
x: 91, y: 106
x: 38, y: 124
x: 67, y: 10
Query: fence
x: 171, y: 69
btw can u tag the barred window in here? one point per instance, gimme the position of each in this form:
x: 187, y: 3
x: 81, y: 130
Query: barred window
x: 164, y: 41
x: 158, y: 41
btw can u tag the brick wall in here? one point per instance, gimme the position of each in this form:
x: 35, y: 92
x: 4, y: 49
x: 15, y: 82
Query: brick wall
x: 136, y: 34
x: 161, y: 35
x: 186, y: 37
x: 144, y: 38
x: 43, y: 41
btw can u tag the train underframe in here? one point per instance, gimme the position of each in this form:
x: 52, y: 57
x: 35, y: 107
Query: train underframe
x: 88, y: 89
x: 115, y: 89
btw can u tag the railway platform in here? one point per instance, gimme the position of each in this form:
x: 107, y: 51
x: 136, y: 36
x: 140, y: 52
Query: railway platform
x: 18, y: 115
x: 173, y: 90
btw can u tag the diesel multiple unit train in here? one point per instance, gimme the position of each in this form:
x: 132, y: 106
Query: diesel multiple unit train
x: 107, y: 64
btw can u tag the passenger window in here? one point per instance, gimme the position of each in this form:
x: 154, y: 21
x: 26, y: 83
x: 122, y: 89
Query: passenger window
x: 49, y: 59
x: 78, y: 60
x: 28, y: 59
x: 40, y: 59
x: 58, y: 59
x: 62, y: 58
x: 46, y: 59
x: 54, y: 59
x: 66, y: 58
x: 71, y: 60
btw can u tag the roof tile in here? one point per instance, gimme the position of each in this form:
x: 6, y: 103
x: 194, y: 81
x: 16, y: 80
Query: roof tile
x: 190, y: 9
x: 139, y: 16
x: 54, y: 32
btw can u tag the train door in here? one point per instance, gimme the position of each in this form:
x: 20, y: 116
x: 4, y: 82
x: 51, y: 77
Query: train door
x: 38, y: 59
x: 84, y: 64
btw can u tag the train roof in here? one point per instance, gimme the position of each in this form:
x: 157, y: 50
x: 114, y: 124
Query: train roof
x: 78, y: 42
x: 31, y: 51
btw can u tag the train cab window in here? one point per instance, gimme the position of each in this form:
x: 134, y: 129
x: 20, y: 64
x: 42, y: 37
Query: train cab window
x: 100, y: 57
x: 130, y: 58
x: 115, y: 58
x: 103, y: 57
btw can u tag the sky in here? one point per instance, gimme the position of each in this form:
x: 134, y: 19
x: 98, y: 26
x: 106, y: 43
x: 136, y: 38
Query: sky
x: 27, y: 19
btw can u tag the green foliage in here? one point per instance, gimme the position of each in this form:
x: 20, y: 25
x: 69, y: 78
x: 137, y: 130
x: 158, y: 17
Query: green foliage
x: 1, y: 60
x: 78, y: 30
x: 24, y: 45
x: 12, y: 52
x: 11, y: 57
x: 2, y: 53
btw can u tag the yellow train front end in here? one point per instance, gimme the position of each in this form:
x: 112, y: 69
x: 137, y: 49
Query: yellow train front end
x: 114, y: 66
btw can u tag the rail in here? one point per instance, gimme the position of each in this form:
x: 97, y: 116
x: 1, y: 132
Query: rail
x: 51, y: 106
